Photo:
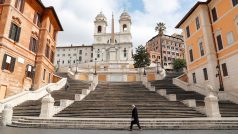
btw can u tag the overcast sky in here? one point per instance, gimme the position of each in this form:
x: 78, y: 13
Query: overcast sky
x: 77, y: 17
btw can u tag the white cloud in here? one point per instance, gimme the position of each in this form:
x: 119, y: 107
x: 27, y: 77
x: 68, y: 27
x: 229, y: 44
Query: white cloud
x: 77, y: 18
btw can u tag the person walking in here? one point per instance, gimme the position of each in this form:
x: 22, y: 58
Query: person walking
x: 66, y: 86
x: 134, y: 118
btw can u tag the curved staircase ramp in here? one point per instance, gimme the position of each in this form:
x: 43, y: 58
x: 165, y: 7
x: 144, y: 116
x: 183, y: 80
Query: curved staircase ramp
x: 227, y: 108
x: 33, y: 108
x: 114, y: 100
x: 112, y: 123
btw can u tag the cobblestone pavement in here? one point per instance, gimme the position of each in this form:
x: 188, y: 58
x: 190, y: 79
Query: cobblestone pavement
x: 9, y: 130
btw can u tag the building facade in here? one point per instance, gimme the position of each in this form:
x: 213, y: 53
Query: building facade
x: 172, y: 48
x: 115, y: 46
x: 73, y: 55
x: 211, y: 38
x: 28, y: 32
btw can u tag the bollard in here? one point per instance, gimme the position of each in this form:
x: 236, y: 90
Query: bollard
x: 47, y: 107
x: 7, y: 115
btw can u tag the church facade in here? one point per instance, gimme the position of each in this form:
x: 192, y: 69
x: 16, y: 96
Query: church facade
x: 114, y: 47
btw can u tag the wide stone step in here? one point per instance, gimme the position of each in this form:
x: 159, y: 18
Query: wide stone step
x: 115, y: 123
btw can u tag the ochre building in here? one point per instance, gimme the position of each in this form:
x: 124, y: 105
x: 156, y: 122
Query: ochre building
x: 172, y: 48
x: 28, y: 32
x: 211, y: 38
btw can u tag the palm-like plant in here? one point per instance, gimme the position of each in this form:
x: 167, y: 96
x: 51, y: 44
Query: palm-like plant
x: 160, y: 28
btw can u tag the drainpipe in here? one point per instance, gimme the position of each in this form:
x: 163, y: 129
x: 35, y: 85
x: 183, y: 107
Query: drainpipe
x: 218, y: 62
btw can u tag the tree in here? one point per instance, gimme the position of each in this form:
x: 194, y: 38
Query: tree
x: 161, y: 28
x: 179, y: 64
x: 141, y: 58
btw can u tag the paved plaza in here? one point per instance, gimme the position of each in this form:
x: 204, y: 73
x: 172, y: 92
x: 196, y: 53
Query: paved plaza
x: 9, y: 130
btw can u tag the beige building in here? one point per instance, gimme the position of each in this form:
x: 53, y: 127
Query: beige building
x: 28, y: 33
x: 70, y: 56
x: 211, y: 44
x: 172, y: 48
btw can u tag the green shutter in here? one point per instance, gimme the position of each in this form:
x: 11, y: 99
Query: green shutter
x: 4, y: 61
x: 17, y: 37
x: 30, y: 45
x: 22, y: 6
x: 10, y: 32
x: 36, y: 46
x: 12, y: 65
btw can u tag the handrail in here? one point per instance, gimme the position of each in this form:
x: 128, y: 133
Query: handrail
x: 31, y: 95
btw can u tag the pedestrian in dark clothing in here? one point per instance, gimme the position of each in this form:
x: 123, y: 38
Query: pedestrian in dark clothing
x: 134, y: 118
x: 66, y: 86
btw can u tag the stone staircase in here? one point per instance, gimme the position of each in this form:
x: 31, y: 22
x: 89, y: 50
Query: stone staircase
x: 227, y: 109
x: 33, y: 108
x: 122, y: 123
x: 114, y: 100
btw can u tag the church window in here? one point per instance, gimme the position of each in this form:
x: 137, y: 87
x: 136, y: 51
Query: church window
x: 124, y: 27
x: 99, y: 29
x: 124, y: 52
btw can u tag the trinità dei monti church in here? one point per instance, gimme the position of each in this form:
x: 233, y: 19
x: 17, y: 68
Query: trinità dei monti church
x: 111, y: 53
x: 113, y: 49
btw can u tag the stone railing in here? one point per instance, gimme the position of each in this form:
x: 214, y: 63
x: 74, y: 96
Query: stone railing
x: 31, y: 95
x: 187, y: 87
x: 228, y: 96
x: 204, y: 91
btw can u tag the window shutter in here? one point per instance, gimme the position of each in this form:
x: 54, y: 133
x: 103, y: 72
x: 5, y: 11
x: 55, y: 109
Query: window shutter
x: 34, y: 20
x: 26, y: 69
x: 22, y: 6
x: 12, y: 64
x: 39, y: 20
x: 4, y: 61
x: 32, y: 73
x: 10, y: 32
x: 30, y: 45
x: 36, y: 47
x: 16, y: 3
x: 18, y: 34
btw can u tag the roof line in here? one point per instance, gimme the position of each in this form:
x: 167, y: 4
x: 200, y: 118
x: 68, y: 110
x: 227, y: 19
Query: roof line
x: 54, y: 13
x: 164, y: 35
x: 191, y: 11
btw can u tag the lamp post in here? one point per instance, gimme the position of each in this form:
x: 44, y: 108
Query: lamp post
x: 95, y: 73
x: 70, y: 62
x: 157, y: 70
x: 33, y: 78
x: 77, y: 65
x: 144, y: 66
x: 58, y: 63
x: 220, y: 80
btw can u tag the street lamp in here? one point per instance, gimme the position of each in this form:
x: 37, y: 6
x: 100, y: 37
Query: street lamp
x: 58, y: 63
x: 157, y: 70
x: 220, y: 79
x: 33, y: 78
x: 77, y: 65
x: 144, y: 66
x: 70, y: 62
x: 95, y: 73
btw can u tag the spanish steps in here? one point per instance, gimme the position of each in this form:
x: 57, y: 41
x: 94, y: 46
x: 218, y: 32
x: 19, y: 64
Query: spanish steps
x: 109, y: 107
x: 227, y: 108
x: 32, y: 108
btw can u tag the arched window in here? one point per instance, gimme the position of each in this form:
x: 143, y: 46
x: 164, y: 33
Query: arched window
x: 99, y: 29
x: 124, y: 27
